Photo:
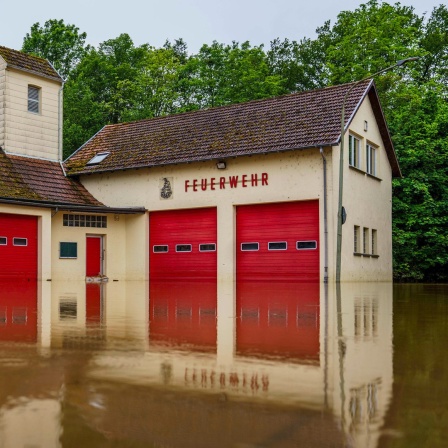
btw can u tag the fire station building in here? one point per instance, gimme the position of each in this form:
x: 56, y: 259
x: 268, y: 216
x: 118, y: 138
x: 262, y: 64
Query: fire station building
x: 241, y: 192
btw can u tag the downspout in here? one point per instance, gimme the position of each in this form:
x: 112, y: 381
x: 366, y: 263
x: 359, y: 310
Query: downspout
x: 60, y: 123
x: 324, y: 160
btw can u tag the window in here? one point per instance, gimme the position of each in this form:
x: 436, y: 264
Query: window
x: 20, y: 241
x: 374, y: 242
x: 3, y: 241
x: 98, y: 158
x: 277, y: 245
x: 84, y: 221
x: 249, y: 246
x: 160, y: 249
x: 68, y: 250
x: 365, y: 240
x: 371, y: 159
x: 183, y: 247
x: 354, y: 151
x: 356, y: 241
x: 33, y: 99
x: 211, y: 247
x: 306, y: 245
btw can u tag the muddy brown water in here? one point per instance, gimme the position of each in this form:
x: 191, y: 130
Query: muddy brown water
x: 200, y: 364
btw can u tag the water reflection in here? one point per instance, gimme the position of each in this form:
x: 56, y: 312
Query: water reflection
x: 18, y: 311
x: 183, y: 314
x: 128, y: 363
x: 278, y: 319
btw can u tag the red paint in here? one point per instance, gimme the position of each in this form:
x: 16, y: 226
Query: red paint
x: 289, y: 222
x: 278, y: 319
x: 93, y: 303
x: 191, y: 226
x: 93, y: 256
x: 18, y: 261
x: 183, y: 314
x: 233, y: 182
x: 18, y: 311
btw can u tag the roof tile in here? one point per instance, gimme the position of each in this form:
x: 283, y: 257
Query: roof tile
x: 29, y: 63
x: 296, y: 121
x: 24, y: 178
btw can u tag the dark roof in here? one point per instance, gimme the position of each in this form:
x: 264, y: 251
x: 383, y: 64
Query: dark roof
x: 296, y: 121
x: 41, y: 183
x: 29, y: 63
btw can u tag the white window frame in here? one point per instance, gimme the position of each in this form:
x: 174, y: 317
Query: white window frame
x: 371, y: 159
x: 19, y: 238
x: 207, y: 250
x: 184, y: 251
x: 354, y: 151
x: 278, y: 242
x: 374, y: 241
x: 365, y: 240
x: 356, y: 239
x: 161, y: 251
x: 306, y: 248
x: 250, y: 250
x: 34, y: 91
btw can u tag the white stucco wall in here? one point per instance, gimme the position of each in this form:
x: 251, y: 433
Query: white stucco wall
x: 28, y: 133
x: 368, y: 203
x: 119, y: 240
x: 291, y: 176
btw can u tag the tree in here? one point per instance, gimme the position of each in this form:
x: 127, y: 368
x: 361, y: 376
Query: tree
x: 63, y: 45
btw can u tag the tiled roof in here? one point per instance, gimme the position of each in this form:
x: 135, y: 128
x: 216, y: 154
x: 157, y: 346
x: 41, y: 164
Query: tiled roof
x: 28, y: 179
x: 29, y: 63
x: 296, y: 121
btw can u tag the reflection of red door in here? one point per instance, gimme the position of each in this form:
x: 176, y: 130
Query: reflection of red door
x: 93, y: 303
x: 18, y: 311
x: 94, y: 256
x: 183, y: 314
x: 279, y: 319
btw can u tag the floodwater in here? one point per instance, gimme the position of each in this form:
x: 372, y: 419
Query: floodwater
x: 199, y: 364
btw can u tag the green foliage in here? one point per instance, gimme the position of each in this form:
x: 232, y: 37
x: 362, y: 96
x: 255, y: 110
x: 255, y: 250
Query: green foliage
x: 61, y: 44
x: 119, y: 82
x: 420, y: 198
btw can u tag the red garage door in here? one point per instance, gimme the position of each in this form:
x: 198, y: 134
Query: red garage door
x: 278, y: 241
x: 183, y: 244
x: 18, y: 246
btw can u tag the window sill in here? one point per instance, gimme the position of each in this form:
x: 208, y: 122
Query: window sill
x: 374, y: 177
x: 366, y: 255
x: 357, y: 254
x: 359, y: 170
x: 375, y: 256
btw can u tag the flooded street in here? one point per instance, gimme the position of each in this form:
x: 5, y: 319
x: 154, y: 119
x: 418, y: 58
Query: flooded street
x: 265, y: 364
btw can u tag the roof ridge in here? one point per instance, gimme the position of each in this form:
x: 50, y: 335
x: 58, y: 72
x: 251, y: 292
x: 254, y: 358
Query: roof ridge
x: 235, y: 105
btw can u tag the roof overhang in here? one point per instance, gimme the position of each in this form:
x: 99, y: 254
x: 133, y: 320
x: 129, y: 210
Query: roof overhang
x: 74, y: 207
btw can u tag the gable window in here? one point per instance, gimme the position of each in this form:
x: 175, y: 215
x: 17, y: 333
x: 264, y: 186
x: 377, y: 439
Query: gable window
x: 371, y: 159
x: 33, y: 99
x: 354, y: 151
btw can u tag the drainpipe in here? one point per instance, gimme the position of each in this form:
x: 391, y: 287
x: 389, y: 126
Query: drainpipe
x: 60, y: 122
x: 324, y: 160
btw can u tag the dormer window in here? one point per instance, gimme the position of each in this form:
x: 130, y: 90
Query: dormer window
x: 33, y: 99
x: 98, y: 158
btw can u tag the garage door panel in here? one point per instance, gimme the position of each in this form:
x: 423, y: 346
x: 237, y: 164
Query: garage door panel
x: 183, y: 244
x: 18, y: 246
x: 277, y: 229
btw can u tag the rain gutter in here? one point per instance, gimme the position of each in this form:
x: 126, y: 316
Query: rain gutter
x: 74, y: 207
